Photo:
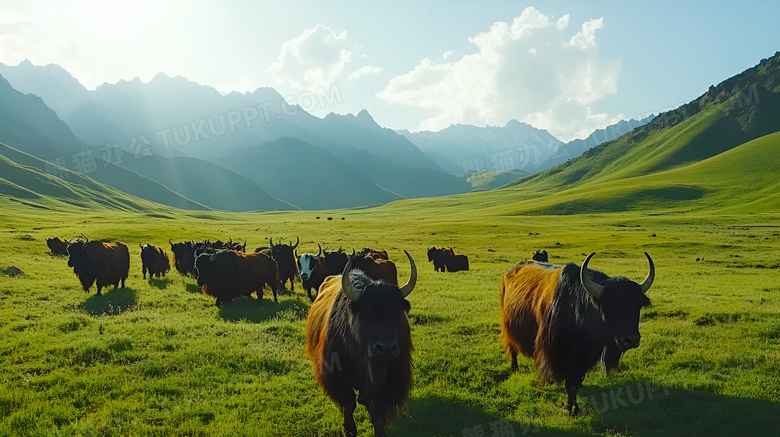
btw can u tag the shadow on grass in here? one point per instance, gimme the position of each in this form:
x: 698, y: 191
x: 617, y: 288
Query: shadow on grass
x: 193, y: 288
x: 642, y: 408
x: 110, y: 303
x: 436, y: 416
x: 161, y: 283
x: 249, y: 309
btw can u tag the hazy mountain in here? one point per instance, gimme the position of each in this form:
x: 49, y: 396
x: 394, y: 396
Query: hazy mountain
x: 175, y: 116
x: 27, y: 122
x: 309, y: 177
x: 29, y: 125
x: 738, y: 110
x: 465, y: 148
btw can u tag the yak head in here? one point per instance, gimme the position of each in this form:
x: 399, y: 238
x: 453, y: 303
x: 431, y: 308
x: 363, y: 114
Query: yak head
x: 308, y: 262
x: 540, y: 255
x: 620, y: 300
x: 335, y: 261
x: 78, y: 258
x: 204, y: 267
x: 378, y: 311
x: 284, y: 252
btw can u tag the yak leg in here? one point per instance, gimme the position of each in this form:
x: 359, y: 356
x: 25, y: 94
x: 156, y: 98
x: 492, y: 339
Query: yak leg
x: 378, y: 414
x: 573, y: 384
x: 347, y: 410
x: 513, y: 354
x: 143, y: 270
x: 274, y: 286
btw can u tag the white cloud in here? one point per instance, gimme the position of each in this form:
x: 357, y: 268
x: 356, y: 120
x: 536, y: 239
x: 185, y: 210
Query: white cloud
x: 447, y: 54
x: 363, y: 71
x: 8, y: 18
x: 532, y: 70
x: 312, y: 60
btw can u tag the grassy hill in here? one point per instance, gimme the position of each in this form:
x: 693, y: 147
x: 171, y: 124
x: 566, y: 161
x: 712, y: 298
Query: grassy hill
x: 738, y: 110
x: 35, y: 176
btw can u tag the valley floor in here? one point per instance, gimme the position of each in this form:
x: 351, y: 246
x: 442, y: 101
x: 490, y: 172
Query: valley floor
x: 157, y: 358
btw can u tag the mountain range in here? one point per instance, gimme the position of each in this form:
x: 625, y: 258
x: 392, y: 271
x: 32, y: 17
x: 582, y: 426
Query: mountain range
x: 173, y: 118
x: 707, y: 152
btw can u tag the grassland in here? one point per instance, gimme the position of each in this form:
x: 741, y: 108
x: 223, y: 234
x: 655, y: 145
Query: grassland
x: 158, y: 359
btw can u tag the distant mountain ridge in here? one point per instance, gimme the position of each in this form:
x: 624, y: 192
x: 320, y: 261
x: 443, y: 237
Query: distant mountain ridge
x: 173, y: 116
x: 466, y: 149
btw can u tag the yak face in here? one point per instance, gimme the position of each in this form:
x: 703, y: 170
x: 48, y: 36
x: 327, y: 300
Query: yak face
x: 378, y: 313
x: 432, y: 253
x: 621, y: 303
x: 204, y: 268
x: 283, y: 253
x: 77, y: 253
x: 307, y: 263
x: 79, y: 260
x: 335, y: 261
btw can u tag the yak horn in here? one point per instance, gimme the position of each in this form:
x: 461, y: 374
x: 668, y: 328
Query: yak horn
x: 297, y: 240
x: 346, y: 284
x: 645, y: 285
x: 409, y: 286
x: 295, y: 253
x: 319, y: 254
x: 271, y: 240
x: 593, y: 288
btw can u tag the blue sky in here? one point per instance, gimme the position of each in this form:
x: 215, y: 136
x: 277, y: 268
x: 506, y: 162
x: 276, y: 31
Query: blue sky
x: 565, y: 66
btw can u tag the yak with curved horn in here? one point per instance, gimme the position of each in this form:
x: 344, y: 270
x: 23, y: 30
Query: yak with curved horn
x: 358, y: 340
x: 569, y: 318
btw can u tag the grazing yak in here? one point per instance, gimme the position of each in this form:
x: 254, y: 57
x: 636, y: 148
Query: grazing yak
x: 95, y: 261
x: 58, y: 246
x: 284, y: 255
x: 358, y: 339
x: 311, y: 269
x: 374, y: 253
x: 154, y: 260
x: 568, y: 318
x: 227, y: 274
x: 438, y: 256
x: 184, y: 256
x: 445, y: 258
x: 540, y: 255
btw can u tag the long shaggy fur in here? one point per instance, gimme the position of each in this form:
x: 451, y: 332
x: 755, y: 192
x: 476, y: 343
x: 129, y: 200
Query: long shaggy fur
x: 337, y: 347
x: 102, y: 263
x: 548, y: 315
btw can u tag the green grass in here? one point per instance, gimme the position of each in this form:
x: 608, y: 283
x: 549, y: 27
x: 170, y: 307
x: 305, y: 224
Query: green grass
x: 157, y: 358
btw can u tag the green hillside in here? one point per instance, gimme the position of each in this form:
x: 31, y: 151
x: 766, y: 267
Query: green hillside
x: 33, y: 187
x: 106, y: 175
x: 738, y: 110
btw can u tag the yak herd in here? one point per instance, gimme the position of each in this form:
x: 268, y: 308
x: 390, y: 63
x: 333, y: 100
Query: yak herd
x: 567, y: 318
